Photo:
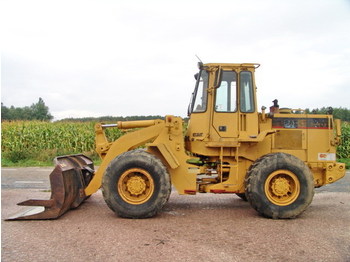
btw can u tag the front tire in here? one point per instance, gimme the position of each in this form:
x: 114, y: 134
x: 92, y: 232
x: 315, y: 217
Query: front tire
x: 279, y: 185
x: 136, y: 184
x: 242, y: 196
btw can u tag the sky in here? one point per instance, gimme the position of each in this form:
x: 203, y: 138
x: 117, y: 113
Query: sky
x: 122, y: 58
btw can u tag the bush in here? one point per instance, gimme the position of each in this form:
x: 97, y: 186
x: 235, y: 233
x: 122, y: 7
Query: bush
x: 17, y: 155
x: 343, y: 150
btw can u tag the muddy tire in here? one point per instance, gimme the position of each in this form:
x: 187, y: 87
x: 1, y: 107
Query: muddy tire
x: 136, y: 184
x: 279, y: 185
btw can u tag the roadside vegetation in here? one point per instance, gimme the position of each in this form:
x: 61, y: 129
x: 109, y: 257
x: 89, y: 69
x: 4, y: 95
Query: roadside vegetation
x: 343, y: 150
x: 28, y: 138
x: 37, y: 142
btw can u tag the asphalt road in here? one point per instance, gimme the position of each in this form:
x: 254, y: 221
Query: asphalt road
x: 204, y: 227
x: 38, y: 178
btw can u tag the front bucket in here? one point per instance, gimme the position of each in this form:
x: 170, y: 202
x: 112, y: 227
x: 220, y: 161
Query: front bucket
x: 68, y: 180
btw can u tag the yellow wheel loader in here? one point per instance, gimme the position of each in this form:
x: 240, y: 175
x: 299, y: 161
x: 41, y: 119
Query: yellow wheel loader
x: 274, y: 159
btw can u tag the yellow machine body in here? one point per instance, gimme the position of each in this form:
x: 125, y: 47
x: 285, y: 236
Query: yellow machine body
x: 274, y: 160
x: 230, y: 140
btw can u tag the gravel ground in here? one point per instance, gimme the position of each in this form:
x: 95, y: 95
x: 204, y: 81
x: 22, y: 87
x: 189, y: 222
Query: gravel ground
x: 204, y: 227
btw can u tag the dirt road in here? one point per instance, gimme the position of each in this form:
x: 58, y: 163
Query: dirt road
x: 204, y: 227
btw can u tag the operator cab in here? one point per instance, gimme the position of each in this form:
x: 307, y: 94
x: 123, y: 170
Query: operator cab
x: 223, y: 104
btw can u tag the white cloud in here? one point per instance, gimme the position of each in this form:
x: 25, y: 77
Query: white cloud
x: 137, y: 57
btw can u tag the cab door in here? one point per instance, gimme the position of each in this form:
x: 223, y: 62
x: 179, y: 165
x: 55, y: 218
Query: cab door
x: 225, y: 113
x: 233, y: 117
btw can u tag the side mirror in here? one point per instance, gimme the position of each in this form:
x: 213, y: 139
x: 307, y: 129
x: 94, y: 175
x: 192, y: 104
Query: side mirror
x: 196, y: 76
x: 218, y: 78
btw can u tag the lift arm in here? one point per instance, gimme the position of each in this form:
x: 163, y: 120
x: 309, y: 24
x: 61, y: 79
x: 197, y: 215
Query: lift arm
x: 109, y: 151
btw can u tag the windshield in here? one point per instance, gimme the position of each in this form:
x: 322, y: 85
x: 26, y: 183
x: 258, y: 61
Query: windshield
x: 199, y: 96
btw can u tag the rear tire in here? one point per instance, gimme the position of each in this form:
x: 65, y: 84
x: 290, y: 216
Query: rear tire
x: 279, y: 185
x: 136, y: 184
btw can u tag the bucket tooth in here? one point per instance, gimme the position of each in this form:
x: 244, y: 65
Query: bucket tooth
x: 70, y: 177
x: 37, y: 202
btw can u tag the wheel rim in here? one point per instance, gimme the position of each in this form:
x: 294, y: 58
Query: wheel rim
x: 135, y: 186
x: 282, y: 187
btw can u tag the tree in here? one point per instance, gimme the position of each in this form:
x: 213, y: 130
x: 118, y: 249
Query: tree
x: 338, y: 112
x: 4, y: 111
x: 37, y: 111
x: 40, y: 111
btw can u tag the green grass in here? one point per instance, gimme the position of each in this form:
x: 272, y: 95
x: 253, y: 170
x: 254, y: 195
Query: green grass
x: 24, y: 163
x: 346, y: 161
x: 37, y: 163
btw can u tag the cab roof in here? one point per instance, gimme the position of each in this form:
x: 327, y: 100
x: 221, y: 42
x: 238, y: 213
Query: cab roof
x: 236, y: 65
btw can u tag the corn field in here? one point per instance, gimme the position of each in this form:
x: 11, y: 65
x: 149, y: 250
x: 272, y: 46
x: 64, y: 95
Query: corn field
x: 343, y: 150
x: 44, y: 140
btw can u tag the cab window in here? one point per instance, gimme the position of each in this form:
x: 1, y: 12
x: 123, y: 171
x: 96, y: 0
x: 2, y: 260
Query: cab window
x: 225, y: 99
x: 246, y: 92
